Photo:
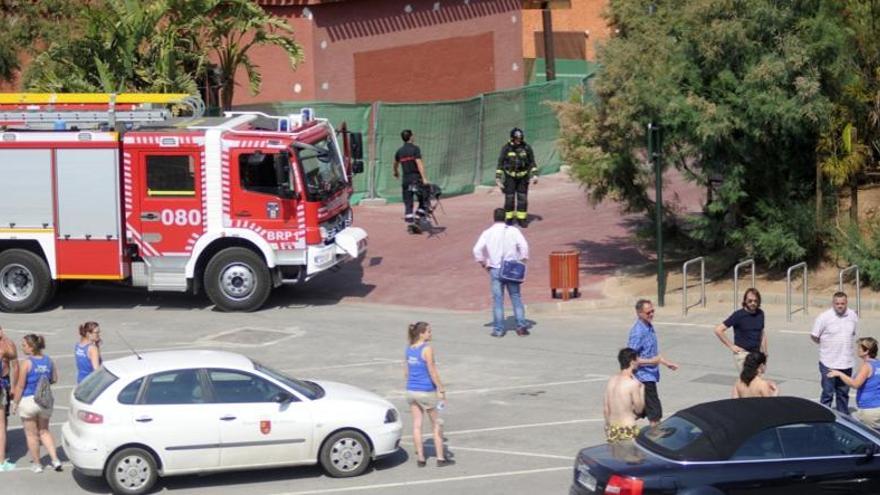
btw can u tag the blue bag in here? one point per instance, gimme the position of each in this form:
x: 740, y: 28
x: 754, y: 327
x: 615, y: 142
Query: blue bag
x: 512, y: 271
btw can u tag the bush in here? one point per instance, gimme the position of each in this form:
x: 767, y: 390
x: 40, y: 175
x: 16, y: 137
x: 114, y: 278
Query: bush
x: 780, y: 236
x: 862, y: 249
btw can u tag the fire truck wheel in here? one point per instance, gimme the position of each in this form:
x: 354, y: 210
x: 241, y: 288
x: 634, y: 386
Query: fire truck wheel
x: 237, y: 279
x: 25, y: 281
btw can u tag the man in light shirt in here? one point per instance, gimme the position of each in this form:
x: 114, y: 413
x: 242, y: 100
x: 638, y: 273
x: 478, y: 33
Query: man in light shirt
x: 835, y: 332
x: 499, y: 243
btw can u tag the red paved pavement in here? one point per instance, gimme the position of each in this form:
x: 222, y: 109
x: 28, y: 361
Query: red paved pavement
x: 437, y: 270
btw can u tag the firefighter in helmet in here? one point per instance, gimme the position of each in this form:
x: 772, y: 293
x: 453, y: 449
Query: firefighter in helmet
x: 516, y: 167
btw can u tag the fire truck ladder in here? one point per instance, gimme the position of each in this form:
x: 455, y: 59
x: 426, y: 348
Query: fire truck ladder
x: 50, y: 110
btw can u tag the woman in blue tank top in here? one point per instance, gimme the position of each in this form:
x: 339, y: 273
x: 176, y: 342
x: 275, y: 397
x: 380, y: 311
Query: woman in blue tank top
x: 86, y: 352
x: 35, y: 418
x: 866, y: 382
x: 424, y: 390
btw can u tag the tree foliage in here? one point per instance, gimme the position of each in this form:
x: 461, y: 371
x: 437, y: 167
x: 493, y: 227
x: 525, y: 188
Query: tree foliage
x: 161, y: 46
x: 741, y: 88
x: 850, y: 142
x: 27, y: 26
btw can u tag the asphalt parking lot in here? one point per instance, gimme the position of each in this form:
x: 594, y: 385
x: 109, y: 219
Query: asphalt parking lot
x: 518, y: 408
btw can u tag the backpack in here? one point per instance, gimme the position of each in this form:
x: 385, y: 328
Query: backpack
x: 43, y: 394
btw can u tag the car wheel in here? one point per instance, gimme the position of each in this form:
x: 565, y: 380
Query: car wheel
x: 25, y: 281
x: 237, y: 279
x: 131, y: 471
x: 345, y: 453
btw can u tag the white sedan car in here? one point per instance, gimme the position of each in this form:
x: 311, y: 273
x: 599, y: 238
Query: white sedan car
x: 178, y: 412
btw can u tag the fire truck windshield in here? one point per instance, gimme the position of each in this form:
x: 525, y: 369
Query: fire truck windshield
x: 322, y: 168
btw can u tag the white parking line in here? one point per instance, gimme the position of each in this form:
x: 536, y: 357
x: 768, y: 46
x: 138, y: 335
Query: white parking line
x: 682, y: 324
x: 454, y: 448
x: 45, y: 467
x: 429, y: 482
x: 175, y: 346
x: 374, y: 362
x: 21, y: 427
x: 517, y: 427
x: 596, y: 378
x: 25, y: 332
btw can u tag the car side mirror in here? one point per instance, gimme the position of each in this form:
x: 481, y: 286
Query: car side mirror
x: 282, y: 398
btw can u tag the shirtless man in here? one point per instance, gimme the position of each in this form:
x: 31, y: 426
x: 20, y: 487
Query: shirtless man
x: 8, y: 376
x: 624, y: 399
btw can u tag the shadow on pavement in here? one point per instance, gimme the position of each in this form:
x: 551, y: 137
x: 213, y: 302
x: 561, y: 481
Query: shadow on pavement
x: 326, y: 289
x: 232, y: 478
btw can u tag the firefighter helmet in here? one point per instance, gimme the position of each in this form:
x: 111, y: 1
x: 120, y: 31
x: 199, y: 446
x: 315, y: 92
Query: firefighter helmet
x: 516, y: 133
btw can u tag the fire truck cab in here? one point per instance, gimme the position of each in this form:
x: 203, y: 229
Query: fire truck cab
x: 110, y: 187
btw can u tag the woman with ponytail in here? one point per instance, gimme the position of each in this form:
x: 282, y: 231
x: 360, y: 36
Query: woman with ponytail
x: 751, y: 382
x: 87, y: 352
x: 866, y: 382
x: 35, y: 418
x: 424, y: 390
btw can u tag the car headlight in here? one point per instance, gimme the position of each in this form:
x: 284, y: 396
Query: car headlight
x: 391, y: 416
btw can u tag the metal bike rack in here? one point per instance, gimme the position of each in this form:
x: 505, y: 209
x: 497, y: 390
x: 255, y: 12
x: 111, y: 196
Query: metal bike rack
x: 684, y: 285
x: 736, y: 279
x: 803, y: 307
x: 840, y: 276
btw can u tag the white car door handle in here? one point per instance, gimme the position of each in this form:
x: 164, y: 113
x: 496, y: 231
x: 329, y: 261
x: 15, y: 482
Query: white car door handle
x: 227, y: 418
x: 144, y: 419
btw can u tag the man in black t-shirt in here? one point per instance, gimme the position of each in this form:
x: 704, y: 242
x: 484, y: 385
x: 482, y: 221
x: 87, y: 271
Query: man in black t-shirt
x: 409, y: 158
x: 748, y: 329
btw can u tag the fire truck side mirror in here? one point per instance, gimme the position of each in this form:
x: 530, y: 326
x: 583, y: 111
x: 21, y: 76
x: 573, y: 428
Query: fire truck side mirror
x: 282, y: 175
x: 356, y: 140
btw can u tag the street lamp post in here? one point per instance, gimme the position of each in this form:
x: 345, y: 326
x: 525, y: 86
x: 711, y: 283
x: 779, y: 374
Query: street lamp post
x: 549, y: 50
x: 655, y: 154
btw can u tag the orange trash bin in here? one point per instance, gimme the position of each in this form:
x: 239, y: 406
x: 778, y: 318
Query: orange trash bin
x: 565, y: 273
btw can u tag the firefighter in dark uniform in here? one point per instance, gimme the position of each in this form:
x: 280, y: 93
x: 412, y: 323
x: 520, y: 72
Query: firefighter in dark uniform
x: 409, y: 157
x: 516, y: 167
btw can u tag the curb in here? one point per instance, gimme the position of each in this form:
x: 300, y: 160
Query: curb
x: 373, y: 202
x: 773, y: 299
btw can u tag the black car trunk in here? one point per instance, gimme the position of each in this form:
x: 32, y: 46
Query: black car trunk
x: 625, y: 459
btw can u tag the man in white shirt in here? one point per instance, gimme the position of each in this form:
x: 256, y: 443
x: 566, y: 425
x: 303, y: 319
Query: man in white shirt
x: 499, y: 243
x: 835, y: 332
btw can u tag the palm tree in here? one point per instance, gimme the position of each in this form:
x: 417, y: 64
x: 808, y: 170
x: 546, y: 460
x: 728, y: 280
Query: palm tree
x: 161, y: 46
x: 229, y: 29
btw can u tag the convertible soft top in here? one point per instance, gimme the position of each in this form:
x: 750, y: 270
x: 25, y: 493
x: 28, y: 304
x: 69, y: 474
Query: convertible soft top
x: 726, y: 424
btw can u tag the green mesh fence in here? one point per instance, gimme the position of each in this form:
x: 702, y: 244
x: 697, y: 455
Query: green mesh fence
x: 446, y: 132
x: 527, y: 109
x: 356, y: 116
x: 460, y: 140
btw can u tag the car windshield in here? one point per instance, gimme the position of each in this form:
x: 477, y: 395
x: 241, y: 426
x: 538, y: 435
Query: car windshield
x: 671, y: 437
x: 310, y: 390
x: 89, y: 389
x: 322, y: 168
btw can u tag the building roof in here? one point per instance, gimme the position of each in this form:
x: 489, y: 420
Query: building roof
x: 726, y: 424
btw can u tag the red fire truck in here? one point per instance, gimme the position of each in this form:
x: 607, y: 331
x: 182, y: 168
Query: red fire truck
x: 114, y: 187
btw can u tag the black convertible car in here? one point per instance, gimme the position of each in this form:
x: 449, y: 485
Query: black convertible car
x: 778, y: 446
